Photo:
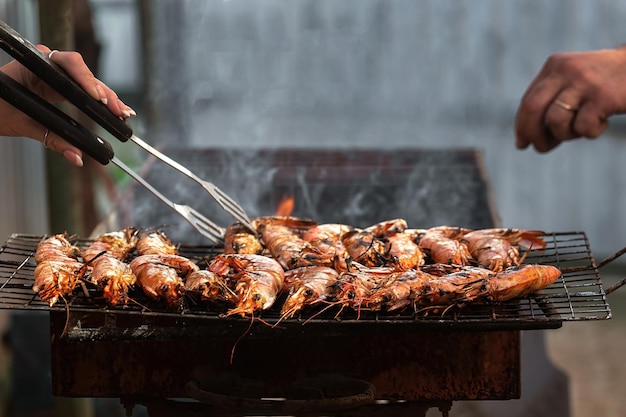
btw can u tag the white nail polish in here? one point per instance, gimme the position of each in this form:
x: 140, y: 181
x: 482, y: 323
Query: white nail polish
x: 73, y: 157
x: 101, y: 93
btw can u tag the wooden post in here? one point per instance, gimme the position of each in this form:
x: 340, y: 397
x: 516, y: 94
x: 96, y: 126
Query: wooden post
x: 65, y: 182
x: 57, y: 32
x: 67, y: 25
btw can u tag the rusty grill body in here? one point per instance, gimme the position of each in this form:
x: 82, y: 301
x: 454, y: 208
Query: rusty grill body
x: 470, y: 353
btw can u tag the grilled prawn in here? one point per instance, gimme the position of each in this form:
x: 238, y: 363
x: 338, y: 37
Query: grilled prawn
x: 57, y: 278
x: 114, y: 277
x: 257, y: 280
x: 398, y: 291
x: 443, y: 245
x: 519, y: 281
x: 281, y: 238
x: 328, y: 248
x: 155, y: 243
x: 306, y: 286
x: 365, y: 248
x: 387, y: 227
x: 208, y: 286
x: 452, y: 285
x: 355, y: 288
x: 238, y: 239
x: 496, y: 249
x: 404, y: 252
x: 161, y: 276
x: 117, y: 244
x: 56, y: 247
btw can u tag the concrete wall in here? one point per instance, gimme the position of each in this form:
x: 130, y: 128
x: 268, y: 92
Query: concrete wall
x: 392, y: 74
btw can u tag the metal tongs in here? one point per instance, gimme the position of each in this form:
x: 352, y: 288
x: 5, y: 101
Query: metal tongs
x: 65, y: 126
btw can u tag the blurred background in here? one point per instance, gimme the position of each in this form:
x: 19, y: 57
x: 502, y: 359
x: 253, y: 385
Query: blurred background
x: 382, y: 74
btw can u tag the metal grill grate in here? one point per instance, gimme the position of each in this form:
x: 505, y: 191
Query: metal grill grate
x: 578, y: 295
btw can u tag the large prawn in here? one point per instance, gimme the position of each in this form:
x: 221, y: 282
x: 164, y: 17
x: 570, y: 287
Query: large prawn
x: 161, y: 276
x: 452, y: 284
x: 398, y: 291
x: 56, y: 247
x: 519, y: 281
x: 238, y: 239
x: 401, y: 248
x: 206, y: 285
x: 355, y: 288
x: 58, y: 269
x: 497, y: 249
x: 57, y: 278
x: 443, y: 245
x: 326, y: 246
x: 405, y: 253
x: 117, y: 244
x: 114, y: 277
x: 365, y: 248
x: 257, y: 280
x: 307, y: 286
x: 155, y: 243
x: 282, y: 238
x: 387, y: 227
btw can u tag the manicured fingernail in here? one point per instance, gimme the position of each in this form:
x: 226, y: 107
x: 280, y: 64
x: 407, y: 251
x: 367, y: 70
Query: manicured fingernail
x: 132, y: 112
x: 73, y: 157
x: 101, y: 93
x: 123, y: 109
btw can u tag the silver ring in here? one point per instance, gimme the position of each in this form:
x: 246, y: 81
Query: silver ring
x: 565, y: 106
x: 45, y: 138
x: 51, y: 53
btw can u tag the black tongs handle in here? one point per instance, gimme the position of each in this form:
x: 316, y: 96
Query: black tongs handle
x: 54, y: 119
x: 37, y: 62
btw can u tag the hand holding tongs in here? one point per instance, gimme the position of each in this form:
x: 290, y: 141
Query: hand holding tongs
x: 63, y: 125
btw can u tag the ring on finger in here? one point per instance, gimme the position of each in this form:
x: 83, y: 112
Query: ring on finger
x: 46, y: 137
x: 52, y: 53
x: 565, y: 106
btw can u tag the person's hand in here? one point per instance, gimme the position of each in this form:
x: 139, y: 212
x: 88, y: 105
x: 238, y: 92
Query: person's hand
x: 15, y: 123
x: 572, y: 96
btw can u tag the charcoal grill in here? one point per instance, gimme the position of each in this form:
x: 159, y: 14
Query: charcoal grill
x: 144, y: 354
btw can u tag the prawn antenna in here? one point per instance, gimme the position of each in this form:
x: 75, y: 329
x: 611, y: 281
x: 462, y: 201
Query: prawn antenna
x: 67, y: 317
x: 145, y: 308
x: 330, y: 305
x: 240, y: 338
x: 525, y: 255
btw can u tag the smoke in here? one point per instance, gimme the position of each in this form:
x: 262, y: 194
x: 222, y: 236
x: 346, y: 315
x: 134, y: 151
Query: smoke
x: 356, y: 187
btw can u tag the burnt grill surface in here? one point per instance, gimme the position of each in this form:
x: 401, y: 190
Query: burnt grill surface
x: 577, y: 295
